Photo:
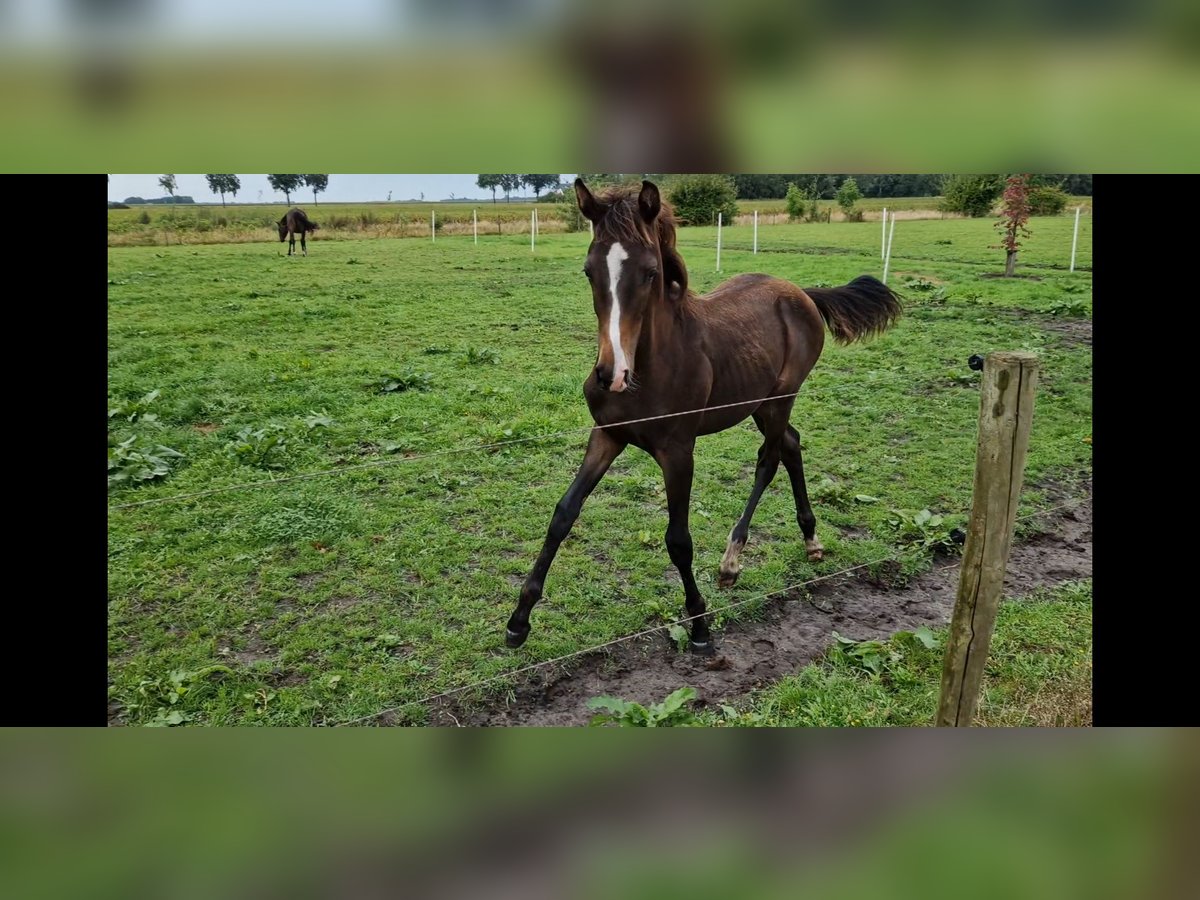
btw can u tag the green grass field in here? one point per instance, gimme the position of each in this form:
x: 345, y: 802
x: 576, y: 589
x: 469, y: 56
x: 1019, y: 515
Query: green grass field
x: 317, y: 601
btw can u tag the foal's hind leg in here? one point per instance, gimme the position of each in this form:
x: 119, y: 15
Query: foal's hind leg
x: 771, y: 423
x: 794, y: 464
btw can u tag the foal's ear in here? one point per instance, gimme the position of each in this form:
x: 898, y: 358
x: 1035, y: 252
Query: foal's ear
x: 588, y: 204
x: 649, y: 202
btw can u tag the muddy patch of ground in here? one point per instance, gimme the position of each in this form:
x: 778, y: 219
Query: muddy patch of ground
x: 795, y: 629
x: 256, y: 650
x: 1071, y: 332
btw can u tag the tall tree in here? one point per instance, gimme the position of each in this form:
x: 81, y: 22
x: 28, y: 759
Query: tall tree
x: 489, y: 182
x: 317, y: 183
x: 539, y: 183
x: 882, y: 186
x: 224, y: 184
x: 508, y: 184
x: 1014, y: 213
x: 169, y: 185
x: 285, y: 184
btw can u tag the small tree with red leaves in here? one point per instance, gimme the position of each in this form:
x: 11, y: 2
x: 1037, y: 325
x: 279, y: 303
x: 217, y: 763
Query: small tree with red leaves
x: 1014, y: 213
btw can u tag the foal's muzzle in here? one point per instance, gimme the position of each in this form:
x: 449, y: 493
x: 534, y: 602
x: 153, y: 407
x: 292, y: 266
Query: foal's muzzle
x: 604, y: 377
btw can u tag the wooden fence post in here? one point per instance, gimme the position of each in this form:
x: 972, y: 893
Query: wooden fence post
x: 1005, y: 414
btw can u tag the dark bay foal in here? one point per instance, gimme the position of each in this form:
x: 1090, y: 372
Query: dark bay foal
x: 664, y: 350
x: 295, y: 222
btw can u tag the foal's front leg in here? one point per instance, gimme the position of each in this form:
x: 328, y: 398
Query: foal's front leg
x: 303, y: 242
x: 677, y: 464
x: 601, y: 451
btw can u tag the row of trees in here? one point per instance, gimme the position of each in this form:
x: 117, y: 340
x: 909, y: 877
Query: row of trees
x: 699, y: 199
x: 510, y: 183
x: 231, y: 184
x: 826, y: 187
x: 285, y: 184
x: 970, y: 195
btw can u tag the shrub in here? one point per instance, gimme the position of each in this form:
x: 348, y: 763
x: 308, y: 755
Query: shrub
x: 971, y: 195
x: 849, y: 194
x: 797, y: 202
x: 569, y: 212
x: 698, y: 198
x: 1046, y: 201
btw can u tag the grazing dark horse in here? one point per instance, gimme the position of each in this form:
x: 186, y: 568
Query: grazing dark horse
x: 665, y: 350
x: 293, y: 223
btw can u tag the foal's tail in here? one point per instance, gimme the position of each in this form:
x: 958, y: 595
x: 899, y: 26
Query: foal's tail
x: 860, y: 309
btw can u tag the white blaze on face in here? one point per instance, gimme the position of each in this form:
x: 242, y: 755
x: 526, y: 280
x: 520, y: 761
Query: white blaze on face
x: 616, y: 257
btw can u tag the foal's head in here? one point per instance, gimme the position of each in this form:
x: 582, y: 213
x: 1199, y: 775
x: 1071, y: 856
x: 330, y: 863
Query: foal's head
x: 632, y: 264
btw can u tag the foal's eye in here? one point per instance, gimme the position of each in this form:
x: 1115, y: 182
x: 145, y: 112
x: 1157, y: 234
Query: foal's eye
x: 651, y: 275
x: 587, y: 272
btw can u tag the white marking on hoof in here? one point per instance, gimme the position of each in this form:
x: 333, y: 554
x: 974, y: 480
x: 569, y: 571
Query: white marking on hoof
x: 730, y: 569
x: 815, y: 551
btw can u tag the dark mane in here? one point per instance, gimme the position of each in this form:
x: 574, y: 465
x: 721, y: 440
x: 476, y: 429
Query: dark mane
x: 622, y: 221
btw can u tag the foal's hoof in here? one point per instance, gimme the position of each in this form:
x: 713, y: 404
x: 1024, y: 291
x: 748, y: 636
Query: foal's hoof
x: 816, y: 552
x: 703, y: 648
x: 728, y: 579
x: 514, y: 639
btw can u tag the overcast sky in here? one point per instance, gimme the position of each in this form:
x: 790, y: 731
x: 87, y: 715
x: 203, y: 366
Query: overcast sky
x: 196, y: 21
x: 342, y: 188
